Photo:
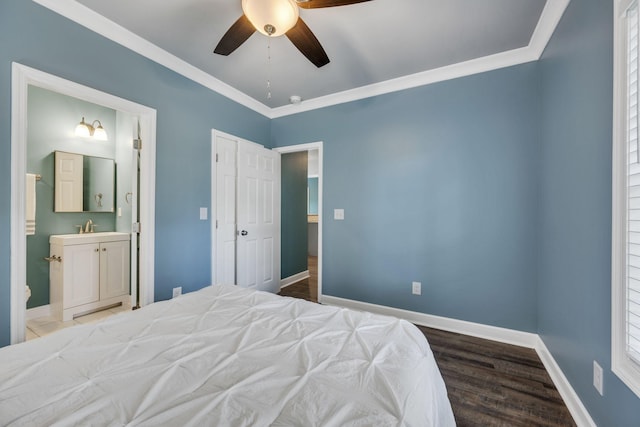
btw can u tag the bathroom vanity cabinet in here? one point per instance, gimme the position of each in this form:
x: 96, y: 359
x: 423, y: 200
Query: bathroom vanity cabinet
x: 88, y: 272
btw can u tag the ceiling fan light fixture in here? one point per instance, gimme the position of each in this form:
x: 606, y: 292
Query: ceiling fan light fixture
x: 271, y: 17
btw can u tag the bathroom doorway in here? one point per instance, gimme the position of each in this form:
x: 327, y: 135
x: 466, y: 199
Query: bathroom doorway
x: 61, y: 101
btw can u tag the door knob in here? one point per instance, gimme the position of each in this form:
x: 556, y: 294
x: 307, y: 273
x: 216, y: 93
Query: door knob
x: 244, y: 232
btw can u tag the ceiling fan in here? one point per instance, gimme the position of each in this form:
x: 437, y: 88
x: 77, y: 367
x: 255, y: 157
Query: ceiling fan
x: 275, y: 18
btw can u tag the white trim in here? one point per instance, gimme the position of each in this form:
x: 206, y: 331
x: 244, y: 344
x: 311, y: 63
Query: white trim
x: 37, y: 312
x: 462, y: 69
x: 549, y: 19
x: 508, y: 336
x: 99, y: 24
x: 621, y: 365
x: 494, y: 333
x: 19, y: 83
x: 551, y: 14
x: 22, y: 77
x: 213, y: 214
x: 306, y: 147
x: 569, y: 396
x: 288, y: 281
x: 623, y: 6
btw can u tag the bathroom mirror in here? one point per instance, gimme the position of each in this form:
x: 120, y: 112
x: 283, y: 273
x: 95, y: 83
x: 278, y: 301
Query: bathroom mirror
x: 83, y: 183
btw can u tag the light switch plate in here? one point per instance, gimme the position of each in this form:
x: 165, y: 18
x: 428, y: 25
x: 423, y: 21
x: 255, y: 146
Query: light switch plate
x: 203, y: 213
x: 597, y: 377
x: 338, y: 214
x: 177, y: 292
x: 416, y: 288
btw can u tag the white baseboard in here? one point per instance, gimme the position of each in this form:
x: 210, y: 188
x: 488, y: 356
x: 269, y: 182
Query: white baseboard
x: 494, y: 333
x: 508, y: 336
x: 574, y: 404
x: 36, y: 312
x: 293, y: 279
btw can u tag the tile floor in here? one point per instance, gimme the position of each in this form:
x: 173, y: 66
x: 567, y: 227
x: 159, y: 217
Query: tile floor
x: 42, y: 326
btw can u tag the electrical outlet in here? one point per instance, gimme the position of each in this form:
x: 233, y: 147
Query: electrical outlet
x: 177, y: 291
x: 597, y: 377
x: 416, y: 288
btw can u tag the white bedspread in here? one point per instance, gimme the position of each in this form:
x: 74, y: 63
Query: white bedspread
x: 226, y: 356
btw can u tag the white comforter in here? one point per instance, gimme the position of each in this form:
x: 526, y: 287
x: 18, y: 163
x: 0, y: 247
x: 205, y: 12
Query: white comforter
x: 226, y: 356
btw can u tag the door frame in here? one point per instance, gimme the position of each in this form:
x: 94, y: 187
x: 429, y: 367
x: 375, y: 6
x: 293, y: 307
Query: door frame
x: 306, y: 147
x: 22, y: 77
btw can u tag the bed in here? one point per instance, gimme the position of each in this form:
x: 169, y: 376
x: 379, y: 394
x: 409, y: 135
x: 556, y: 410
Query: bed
x: 227, y: 356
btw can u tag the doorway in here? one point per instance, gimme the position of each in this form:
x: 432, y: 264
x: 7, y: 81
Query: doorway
x: 24, y: 77
x: 314, y: 272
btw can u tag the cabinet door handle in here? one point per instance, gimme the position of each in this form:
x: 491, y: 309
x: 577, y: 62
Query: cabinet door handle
x: 104, y: 249
x: 97, y: 250
x: 53, y: 258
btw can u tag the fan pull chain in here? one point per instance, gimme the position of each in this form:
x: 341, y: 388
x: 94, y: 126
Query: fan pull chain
x: 269, y: 68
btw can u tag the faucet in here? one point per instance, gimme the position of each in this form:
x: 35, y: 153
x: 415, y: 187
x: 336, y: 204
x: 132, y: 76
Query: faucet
x: 88, y: 227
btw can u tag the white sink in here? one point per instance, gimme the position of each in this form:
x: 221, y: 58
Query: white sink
x: 79, y: 239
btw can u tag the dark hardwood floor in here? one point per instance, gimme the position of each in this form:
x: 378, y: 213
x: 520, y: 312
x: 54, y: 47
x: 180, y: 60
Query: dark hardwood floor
x: 495, y: 384
x: 306, y: 288
x: 489, y: 383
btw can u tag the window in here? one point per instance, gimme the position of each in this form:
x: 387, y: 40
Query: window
x: 626, y: 198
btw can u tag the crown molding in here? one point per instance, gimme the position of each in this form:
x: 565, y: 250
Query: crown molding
x: 99, y: 24
x: 449, y: 72
x: 549, y: 19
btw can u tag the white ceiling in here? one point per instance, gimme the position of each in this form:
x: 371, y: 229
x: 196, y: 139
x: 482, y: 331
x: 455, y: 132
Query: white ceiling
x: 370, y: 44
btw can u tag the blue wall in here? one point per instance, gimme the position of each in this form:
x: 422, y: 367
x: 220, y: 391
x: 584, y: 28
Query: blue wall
x: 574, y: 296
x: 312, y: 184
x: 439, y: 185
x: 492, y: 190
x: 294, y: 235
x: 39, y: 38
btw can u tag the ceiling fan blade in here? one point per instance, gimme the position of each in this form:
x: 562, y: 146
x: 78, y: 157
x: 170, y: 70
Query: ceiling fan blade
x: 239, y: 32
x: 315, y: 4
x: 307, y: 43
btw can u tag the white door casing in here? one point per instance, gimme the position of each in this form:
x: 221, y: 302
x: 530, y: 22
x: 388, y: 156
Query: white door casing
x: 22, y: 78
x: 306, y: 147
x: 134, y: 243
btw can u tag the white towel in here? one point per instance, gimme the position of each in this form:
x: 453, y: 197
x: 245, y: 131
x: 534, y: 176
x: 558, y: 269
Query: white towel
x: 30, y: 214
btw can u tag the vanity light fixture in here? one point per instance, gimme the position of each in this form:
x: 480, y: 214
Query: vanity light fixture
x: 87, y: 130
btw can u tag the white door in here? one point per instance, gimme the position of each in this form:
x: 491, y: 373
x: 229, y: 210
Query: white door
x: 131, y: 199
x: 69, y: 175
x: 258, y: 217
x: 225, y: 211
x: 247, y: 248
